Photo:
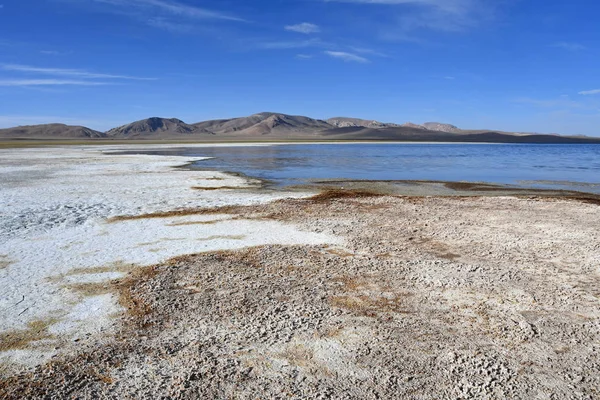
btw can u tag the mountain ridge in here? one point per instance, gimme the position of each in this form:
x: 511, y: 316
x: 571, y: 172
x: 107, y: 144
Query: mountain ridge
x: 56, y: 130
x: 279, y: 126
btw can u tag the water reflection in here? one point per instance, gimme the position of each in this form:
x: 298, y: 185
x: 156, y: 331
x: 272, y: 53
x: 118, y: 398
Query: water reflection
x: 552, y: 166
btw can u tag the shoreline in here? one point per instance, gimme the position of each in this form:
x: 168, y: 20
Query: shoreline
x: 26, y: 143
x: 406, y: 186
x: 107, y: 258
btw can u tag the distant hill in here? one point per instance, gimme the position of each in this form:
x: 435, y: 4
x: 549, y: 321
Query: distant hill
x: 344, y: 122
x: 155, y: 128
x: 277, y: 126
x: 50, y: 131
x: 434, y: 126
x: 414, y: 134
x: 264, y: 124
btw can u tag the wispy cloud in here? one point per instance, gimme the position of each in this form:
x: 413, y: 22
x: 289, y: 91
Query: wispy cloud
x: 348, y: 57
x: 305, y: 27
x: 49, y: 82
x: 433, y: 15
x: 298, y: 44
x: 590, y: 92
x: 73, y: 73
x: 454, y: 6
x: 570, y: 46
x: 372, y: 52
x: 304, y: 56
x: 167, y: 25
x: 173, y: 8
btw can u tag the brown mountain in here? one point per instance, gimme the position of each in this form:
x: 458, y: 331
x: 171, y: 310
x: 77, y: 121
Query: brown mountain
x: 155, y: 128
x: 50, y: 131
x: 434, y: 126
x: 266, y: 123
x: 345, y: 122
x: 276, y: 126
x: 415, y: 134
x: 440, y: 127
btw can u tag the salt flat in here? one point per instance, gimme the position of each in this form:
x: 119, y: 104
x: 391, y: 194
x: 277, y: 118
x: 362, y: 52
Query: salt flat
x: 346, y: 294
x: 55, y: 233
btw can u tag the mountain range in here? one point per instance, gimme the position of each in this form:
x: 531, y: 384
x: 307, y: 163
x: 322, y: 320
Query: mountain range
x: 276, y: 126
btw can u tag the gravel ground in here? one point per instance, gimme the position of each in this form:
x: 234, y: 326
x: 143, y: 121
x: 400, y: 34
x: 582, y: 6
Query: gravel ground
x: 427, y: 298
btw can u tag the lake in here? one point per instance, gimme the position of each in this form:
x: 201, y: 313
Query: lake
x: 575, y: 167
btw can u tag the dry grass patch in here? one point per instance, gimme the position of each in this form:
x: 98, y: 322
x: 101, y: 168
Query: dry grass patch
x: 211, y: 222
x: 351, y: 283
x: 225, y: 237
x: 339, y: 252
x: 371, y: 306
x: 180, y: 213
x: 335, y: 194
x: 224, y: 187
x: 117, y: 266
x: 128, y: 298
x: 439, y: 249
x: 5, y: 261
x: 363, y: 297
x: 20, y: 339
x: 591, y: 199
x: 298, y: 355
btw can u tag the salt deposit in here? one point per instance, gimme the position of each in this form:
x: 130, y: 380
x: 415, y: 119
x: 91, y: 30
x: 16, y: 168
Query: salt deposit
x: 55, y: 232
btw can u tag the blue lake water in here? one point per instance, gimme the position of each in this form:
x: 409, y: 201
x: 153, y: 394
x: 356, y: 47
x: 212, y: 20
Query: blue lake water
x: 574, y: 167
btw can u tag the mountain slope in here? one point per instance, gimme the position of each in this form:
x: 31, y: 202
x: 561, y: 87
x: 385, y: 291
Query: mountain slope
x: 277, y: 126
x: 50, y: 131
x: 264, y: 124
x: 434, y: 126
x: 345, y: 122
x: 440, y: 127
x: 415, y: 134
x: 155, y: 127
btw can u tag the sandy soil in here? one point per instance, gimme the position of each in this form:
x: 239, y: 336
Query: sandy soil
x: 343, y: 295
x: 427, y: 298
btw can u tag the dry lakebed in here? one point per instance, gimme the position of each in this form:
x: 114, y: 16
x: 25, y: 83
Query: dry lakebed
x: 122, y: 276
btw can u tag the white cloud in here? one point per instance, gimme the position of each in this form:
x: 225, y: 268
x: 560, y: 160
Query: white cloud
x: 590, y: 92
x: 304, y: 56
x: 290, y: 44
x: 305, y: 27
x: 348, y: 57
x: 364, y: 50
x: 437, y: 15
x: 454, y: 6
x: 167, y: 25
x: 49, y: 82
x: 74, y: 73
x: 571, y: 46
x: 173, y: 8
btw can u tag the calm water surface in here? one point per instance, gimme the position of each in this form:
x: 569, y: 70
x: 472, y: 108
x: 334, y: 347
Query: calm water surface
x: 546, y: 166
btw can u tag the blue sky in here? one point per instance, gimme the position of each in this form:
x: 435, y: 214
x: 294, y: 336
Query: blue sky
x: 517, y: 65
